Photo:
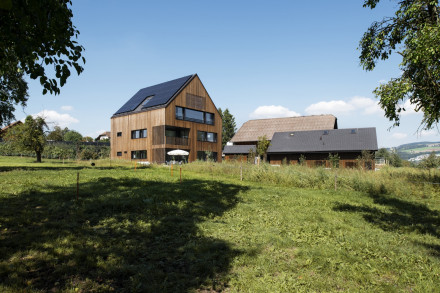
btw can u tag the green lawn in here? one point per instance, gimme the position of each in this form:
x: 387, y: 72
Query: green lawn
x: 144, y: 231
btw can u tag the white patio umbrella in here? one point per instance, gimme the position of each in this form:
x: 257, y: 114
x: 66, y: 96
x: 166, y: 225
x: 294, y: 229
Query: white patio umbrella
x: 178, y: 153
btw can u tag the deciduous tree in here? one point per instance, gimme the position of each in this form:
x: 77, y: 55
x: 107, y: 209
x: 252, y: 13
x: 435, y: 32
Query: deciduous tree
x: 228, y: 127
x: 73, y: 135
x: 29, y: 136
x: 414, y: 33
x: 262, y: 146
x: 35, y: 35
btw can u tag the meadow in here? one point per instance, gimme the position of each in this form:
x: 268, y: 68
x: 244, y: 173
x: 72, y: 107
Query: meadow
x: 280, y: 229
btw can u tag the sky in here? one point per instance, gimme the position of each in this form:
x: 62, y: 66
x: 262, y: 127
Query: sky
x: 259, y: 59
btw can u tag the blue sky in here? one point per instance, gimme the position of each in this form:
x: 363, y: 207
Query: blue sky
x: 259, y: 59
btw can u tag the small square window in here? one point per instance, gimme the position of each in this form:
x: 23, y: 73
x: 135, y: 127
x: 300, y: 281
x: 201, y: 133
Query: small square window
x: 119, y: 134
x: 119, y: 154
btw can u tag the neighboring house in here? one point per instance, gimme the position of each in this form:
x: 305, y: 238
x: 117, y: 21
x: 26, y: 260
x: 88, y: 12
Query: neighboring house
x: 8, y: 127
x: 178, y: 114
x: 248, y: 134
x: 238, y: 152
x: 103, y: 136
x: 316, y: 146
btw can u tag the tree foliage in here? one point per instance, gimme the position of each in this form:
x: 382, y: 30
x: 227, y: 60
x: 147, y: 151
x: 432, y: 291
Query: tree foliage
x: 432, y: 161
x: 29, y: 136
x: 73, y: 135
x: 414, y: 33
x: 262, y: 146
x: 228, y: 127
x: 35, y: 35
x: 57, y: 134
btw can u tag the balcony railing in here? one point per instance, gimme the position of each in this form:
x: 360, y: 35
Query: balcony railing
x: 176, y: 140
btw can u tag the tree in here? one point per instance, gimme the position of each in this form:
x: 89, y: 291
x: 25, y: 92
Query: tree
x: 73, y: 135
x: 29, y: 136
x: 57, y: 134
x: 87, y: 139
x: 229, y: 127
x: 35, y: 34
x: 432, y: 161
x: 334, y: 160
x: 415, y: 32
x: 262, y: 146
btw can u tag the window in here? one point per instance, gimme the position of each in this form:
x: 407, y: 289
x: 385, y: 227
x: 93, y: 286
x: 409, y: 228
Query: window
x: 206, y: 136
x: 119, y: 134
x: 119, y: 154
x: 140, y: 133
x: 179, y: 113
x: 205, y: 155
x: 194, y: 116
x: 209, y: 118
x: 139, y: 154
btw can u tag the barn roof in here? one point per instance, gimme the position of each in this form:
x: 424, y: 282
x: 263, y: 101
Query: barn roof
x: 154, y: 96
x: 252, y: 129
x: 334, y: 140
x: 238, y: 149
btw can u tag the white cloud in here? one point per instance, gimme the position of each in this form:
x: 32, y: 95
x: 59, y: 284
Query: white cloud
x: 409, y: 108
x: 331, y: 107
x: 67, y: 108
x: 399, y: 135
x: 430, y: 132
x: 272, y: 112
x: 366, y: 105
x: 55, y: 118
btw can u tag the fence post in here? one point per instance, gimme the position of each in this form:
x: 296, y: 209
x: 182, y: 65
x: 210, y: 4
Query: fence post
x: 180, y: 174
x: 336, y: 177
x: 77, y: 185
x: 241, y: 171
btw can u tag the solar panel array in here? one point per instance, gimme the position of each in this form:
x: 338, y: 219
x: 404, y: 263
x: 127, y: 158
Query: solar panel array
x: 162, y: 92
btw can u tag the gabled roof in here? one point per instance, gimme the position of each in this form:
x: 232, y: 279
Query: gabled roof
x: 252, y: 129
x: 238, y: 149
x: 11, y: 125
x: 335, y: 140
x: 160, y: 94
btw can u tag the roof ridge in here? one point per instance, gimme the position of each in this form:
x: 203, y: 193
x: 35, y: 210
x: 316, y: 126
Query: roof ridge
x: 302, y: 116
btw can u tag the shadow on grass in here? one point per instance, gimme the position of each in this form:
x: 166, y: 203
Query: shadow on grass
x: 126, y: 235
x: 395, y: 214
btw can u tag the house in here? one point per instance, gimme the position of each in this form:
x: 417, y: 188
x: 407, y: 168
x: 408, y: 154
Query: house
x: 103, y: 136
x: 248, y: 134
x: 315, y: 146
x: 178, y: 114
x: 9, y: 127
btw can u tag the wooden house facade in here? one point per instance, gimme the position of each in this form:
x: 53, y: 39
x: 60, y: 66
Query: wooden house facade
x: 178, y: 114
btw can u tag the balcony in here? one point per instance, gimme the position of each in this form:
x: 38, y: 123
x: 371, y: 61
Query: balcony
x: 176, y: 140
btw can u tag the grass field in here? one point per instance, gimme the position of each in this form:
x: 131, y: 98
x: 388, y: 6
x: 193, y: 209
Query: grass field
x: 145, y: 231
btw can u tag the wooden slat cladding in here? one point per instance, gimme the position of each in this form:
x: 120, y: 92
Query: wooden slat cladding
x: 196, y: 88
x: 155, y: 120
x: 195, y: 102
x: 158, y: 134
x: 159, y: 155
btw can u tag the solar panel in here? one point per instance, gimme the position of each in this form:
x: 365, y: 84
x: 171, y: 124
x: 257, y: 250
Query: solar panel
x: 162, y: 93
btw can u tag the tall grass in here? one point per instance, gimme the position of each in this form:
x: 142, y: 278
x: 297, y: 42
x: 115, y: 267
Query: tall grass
x: 402, y: 182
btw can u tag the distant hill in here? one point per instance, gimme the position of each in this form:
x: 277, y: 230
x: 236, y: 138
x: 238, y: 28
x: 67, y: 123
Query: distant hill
x: 415, y: 149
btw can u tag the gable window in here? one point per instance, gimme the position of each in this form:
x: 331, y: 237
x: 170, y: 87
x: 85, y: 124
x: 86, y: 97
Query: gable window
x: 140, y: 133
x: 139, y: 154
x: 194, y: 115
x: 206, y: 136
x: 119, y: 134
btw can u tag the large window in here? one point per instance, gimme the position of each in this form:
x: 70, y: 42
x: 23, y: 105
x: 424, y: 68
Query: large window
x: 206, y: 155
x: 140, y: 133
x: 139, y: 154
x: 194, y: 116
x: 206, y: 136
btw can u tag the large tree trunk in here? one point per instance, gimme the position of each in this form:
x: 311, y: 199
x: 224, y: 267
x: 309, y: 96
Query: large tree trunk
x: 38, y: 157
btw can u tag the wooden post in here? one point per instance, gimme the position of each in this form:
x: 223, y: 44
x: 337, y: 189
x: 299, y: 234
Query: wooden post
x: 180, y: 175
x: 241, y: 171
x: 77, y: 185
x: 171, y: 170
x: 336, y: 176
x: 135, y: 165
